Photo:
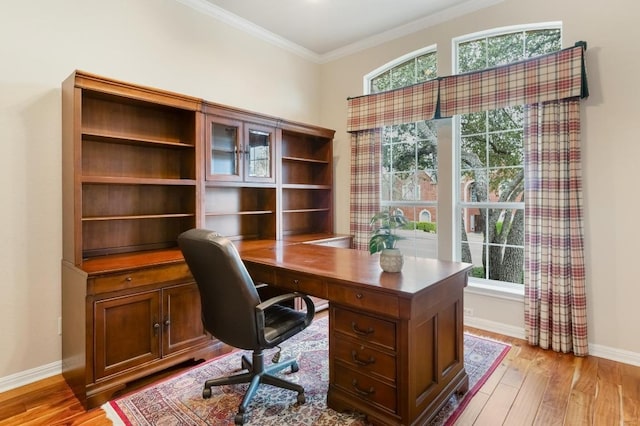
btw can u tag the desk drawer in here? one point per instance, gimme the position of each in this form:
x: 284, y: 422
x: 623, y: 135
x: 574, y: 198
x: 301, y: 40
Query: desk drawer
x: 139, y: 278
x: 364, y: 358
x: 374, y: 301
x: 365, y: 328
x: 302, y: 283
x: 366, y: 388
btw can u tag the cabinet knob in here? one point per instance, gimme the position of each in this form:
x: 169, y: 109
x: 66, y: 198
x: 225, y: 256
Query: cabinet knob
x: 359, y: 296
x: 128, y: 279
x: 296, y: 282
x: 156, y: 327
x: 167, y: 322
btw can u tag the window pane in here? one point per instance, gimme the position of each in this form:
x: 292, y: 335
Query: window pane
x: 381, y: 82
x: 426, y: 67
x: 505, y: 118
x: 539, y: 42
x: 506, y: 184
x: 403, y: 75
x: 472, y: 55
x: 473, y: 123
x: 474, y: 184
x: 504, y: 49
x: 506, y: 149
x: 473, y: 152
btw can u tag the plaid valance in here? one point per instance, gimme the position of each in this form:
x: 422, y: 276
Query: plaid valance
x: 554, y: 76
x: 405, y: 105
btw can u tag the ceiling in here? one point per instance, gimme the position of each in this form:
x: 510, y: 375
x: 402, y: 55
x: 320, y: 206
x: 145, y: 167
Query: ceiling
x: 322, y: 30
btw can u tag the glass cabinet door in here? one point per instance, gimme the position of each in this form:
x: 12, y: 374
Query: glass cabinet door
x: 224, y: 149
x: 259, y: 153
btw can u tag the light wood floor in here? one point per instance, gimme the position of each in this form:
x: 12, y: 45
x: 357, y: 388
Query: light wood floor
x: 530, y: 387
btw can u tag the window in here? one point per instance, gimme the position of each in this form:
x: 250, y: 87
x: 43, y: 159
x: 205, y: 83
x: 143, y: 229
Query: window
x: 409, y: 156
x: 490, y: 162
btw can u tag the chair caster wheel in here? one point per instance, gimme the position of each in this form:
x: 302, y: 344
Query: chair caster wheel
x: 301, y: 398
x: 294, y: 367
x: 239, y: 419
x: 206, y: 393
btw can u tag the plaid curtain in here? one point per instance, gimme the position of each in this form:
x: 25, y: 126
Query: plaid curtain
x: 555, y: 296
x: 365, y: 184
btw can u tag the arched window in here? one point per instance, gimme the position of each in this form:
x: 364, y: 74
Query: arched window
x: 409, y: 151
x: 490, y: 158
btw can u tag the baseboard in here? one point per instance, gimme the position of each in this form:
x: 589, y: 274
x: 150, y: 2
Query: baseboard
x: 619, y: 355
x: 601, y: 351
x: 29, y: 376
x: 495, y: 327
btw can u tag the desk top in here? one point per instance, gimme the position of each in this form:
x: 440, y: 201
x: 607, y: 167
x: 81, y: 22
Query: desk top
x: 355, y: 267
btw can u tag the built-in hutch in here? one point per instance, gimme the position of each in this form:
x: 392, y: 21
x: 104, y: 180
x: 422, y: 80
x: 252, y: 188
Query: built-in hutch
x: 140, y: 166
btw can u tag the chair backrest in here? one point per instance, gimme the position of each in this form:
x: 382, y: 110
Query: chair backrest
x: 227, y: 292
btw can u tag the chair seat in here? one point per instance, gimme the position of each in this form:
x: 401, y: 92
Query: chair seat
x: 282, y: 322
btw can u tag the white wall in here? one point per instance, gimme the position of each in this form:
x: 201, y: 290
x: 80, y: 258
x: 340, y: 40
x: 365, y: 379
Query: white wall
x: 611, y: 151
x: 157, y: 43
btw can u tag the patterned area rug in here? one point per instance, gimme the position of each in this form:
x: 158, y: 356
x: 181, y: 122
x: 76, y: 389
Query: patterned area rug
x: 178, y: 400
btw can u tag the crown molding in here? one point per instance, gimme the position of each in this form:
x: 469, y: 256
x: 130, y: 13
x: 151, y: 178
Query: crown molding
x: 242, y: 24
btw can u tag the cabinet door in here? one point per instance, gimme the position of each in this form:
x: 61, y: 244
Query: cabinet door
x: 224, y: 149
x: 259, y: 151
x: 127, y: 332
x: 182, y: 321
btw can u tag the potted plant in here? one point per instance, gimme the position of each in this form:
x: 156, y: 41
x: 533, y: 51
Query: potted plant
x: 384, y: 237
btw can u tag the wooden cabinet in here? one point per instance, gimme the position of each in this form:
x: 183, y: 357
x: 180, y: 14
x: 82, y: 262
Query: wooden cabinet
x: 131, y: 330
x: 239, y: 151
x: 139, y: 167
x: 267, y: 178
x: 132, y: 179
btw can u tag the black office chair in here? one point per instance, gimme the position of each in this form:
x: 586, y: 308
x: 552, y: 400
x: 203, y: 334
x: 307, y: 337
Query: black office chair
x: 233, y: 313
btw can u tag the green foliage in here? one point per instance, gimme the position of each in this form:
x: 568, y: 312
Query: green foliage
x: 425, y: 226
x: 383, y: 226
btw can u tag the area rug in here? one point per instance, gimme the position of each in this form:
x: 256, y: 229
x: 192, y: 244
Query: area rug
x: 178, y: 400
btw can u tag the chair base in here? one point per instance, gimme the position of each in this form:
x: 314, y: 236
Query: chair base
x: 257, y: 373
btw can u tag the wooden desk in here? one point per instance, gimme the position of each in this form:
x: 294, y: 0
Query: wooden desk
x: 395, y: 340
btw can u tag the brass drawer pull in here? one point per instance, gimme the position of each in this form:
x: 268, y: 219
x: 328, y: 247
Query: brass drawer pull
x: 360, y: 361
x: 363, y: 392
x: 360, y: 331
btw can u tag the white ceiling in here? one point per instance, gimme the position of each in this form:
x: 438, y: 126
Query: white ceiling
x: 322, y: 30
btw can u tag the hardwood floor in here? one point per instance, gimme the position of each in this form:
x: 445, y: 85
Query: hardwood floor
x: 530, y: 387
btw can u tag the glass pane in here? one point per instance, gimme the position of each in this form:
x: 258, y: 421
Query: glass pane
x: 506, y: 184
x: 472, y: 56
x: 426, y: 130
x: 506, y: 118
x: 505, y: 49
x: 473, y: 152
x: 427, y: 185
x: 381, y: 83
x: 259, y: 154
x: 427, y: 67
x: 505, y: 233
x: 224, y: 157
x: 539, y: 42
x: 506, y: 149
x: 403, y: 75
x: 473, y: 123
x: 473, y: 185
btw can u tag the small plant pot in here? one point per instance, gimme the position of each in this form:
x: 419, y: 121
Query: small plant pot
x: 391, y: 260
